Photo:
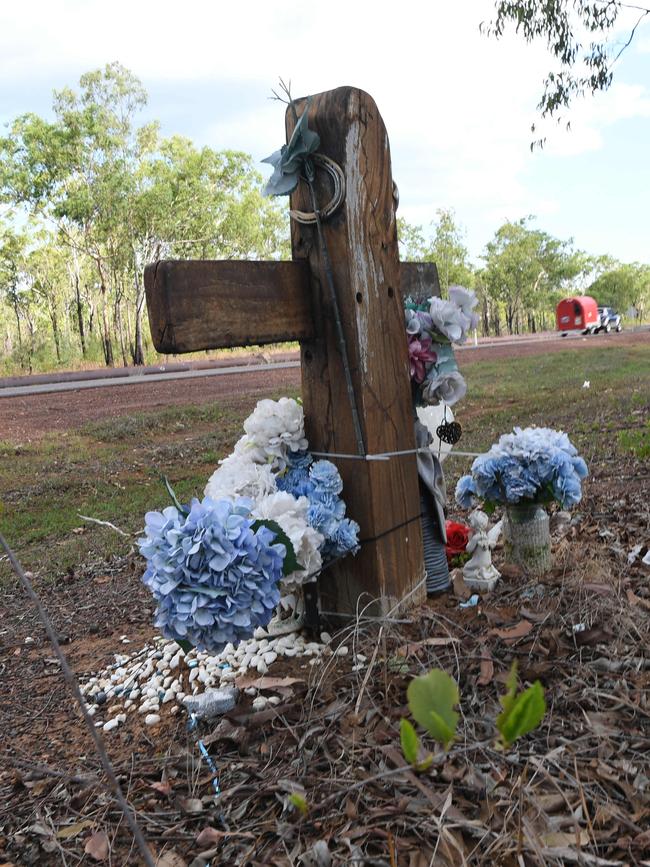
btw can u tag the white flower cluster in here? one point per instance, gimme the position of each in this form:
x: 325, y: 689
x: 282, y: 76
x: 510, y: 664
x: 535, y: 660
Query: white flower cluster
x: 272, y: 430
x: 454, y: 317
x: 275, y: 428
x: 291, y: 514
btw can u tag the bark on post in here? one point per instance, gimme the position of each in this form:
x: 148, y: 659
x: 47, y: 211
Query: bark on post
x: 362, y: 242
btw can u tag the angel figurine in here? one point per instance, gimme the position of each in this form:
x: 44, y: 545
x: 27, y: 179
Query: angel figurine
x: 479, y: 573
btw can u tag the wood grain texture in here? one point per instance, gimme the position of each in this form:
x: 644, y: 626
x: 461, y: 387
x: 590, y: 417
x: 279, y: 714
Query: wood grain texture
x: 196, y: 305
x: 362, y: 241
x: 214, y: 304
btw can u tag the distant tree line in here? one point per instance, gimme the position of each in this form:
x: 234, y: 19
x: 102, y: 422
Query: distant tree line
x: 524, y: 273
x: 89, y: 197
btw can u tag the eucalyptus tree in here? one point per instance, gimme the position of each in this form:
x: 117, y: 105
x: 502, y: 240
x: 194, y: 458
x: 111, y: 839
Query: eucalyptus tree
x: 580, y: 36
x: 527, y: 271
x: 624, y: 286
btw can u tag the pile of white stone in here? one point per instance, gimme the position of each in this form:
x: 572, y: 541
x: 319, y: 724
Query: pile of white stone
x: 162, y: 672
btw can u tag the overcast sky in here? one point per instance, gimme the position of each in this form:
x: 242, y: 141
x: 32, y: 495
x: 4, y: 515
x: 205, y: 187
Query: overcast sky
x: 458, y: 106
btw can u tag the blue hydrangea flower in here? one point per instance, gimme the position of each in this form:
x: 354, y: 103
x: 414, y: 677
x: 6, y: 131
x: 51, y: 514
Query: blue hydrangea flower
x: 299, y: 460
x: 322, y: 519
x: 296, y: 481
x: 215, y: 579
x: 320, y: 481
x: 529, y: 464
x: 326, y: 477
x: 346, y: 538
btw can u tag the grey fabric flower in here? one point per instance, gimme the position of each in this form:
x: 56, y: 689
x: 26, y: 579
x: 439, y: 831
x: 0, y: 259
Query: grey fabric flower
x: 288, y: 162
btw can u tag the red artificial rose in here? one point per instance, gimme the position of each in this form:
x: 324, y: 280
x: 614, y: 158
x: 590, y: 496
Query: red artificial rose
x: 457, y: 539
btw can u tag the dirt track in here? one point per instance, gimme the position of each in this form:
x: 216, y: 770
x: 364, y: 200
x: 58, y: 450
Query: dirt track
x: 30, y: 417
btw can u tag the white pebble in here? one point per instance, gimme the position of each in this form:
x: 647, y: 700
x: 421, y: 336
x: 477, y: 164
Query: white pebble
x: 262, y: 667
x: 274, y: 699
x: 121, y: 717
x: 259, y: 703
x: 250, y: 690
x: 111, y: 724
x: 151, y: 719
x: 168, y: 696
x: 325, y: 637
x: 342, y: 650
x: 270, y: 656
x: 175, y: 710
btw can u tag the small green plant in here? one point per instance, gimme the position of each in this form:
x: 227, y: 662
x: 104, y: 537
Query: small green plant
x: 299, y: 803
x: 521, y: 713
x: 636, y: 441
x: 432, y: 698
x: 411, y: 747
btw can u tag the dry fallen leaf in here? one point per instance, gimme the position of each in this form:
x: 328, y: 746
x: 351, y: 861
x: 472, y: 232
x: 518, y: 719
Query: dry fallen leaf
x: 415, y: 647
x: 633, y: 599
x: 565, y: 838
x: 267, y: 682
x: 163, y: 787
x: 512, y: 633
x: 97, y: 846
x: 72, y: 830
x: 487, y: 667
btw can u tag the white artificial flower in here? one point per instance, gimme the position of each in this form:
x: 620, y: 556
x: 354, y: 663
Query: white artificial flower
x: 291, y: 514
x: 277, y: 427
x: 239, y: 476
x: 246, y: 448
x: 432, y: 417
x: 448, y: 319
x: 450, y: 387
x: 467, y: 301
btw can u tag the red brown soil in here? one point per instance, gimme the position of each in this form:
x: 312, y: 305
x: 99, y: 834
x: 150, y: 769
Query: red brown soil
x: 31, y: 417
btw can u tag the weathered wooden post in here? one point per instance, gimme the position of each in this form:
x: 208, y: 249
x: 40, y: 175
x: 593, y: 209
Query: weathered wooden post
x: 361, y: 238
x: 202, y: 305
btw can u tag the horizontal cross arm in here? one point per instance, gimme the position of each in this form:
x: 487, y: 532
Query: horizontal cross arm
x: 195, y: 305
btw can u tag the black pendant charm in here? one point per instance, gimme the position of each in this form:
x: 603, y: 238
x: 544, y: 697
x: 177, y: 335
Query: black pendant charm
x: 449, y: 432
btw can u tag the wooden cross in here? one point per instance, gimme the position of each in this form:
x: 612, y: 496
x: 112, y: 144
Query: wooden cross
x: 195, y: 305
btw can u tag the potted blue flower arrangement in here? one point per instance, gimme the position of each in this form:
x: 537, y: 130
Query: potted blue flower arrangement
x: 524, y: 471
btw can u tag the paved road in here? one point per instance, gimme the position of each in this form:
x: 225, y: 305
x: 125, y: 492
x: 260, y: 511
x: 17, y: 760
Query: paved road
x: 25, y: 417
x: 107, y: 378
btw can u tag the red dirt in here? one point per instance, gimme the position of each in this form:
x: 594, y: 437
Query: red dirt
x: 31, y: 417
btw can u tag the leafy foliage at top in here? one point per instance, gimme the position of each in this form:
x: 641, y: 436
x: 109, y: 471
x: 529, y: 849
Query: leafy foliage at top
x: 582, y: 68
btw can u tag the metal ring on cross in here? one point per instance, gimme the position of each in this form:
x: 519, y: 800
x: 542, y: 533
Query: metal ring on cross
x: 338, y: 181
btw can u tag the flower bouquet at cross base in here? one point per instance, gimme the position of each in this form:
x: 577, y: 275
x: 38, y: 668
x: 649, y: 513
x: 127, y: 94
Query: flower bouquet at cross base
x: 431, y: 329
x: 272, y: 518
x: 524, y: 471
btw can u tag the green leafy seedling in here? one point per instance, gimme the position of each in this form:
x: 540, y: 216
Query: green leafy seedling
x: 431, y: 699
x: 521, y: 713
x: 411, y: 747
x: 299, y: 803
